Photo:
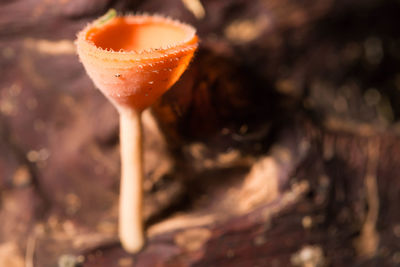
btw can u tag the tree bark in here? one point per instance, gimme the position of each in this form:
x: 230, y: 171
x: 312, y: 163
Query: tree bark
x: 279, y: 145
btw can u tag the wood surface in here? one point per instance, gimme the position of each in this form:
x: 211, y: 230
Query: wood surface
x: 279, y: 146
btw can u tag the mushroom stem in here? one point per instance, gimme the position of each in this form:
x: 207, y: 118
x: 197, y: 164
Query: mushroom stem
x: 131, y: 191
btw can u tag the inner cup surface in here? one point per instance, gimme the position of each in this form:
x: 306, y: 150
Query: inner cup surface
x: 131, y: 35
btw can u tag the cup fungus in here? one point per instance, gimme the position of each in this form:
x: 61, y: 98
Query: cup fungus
x: 133, y: 60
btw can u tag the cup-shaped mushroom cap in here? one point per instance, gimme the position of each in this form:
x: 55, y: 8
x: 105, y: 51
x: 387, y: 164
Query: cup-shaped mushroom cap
x: 134, y: 59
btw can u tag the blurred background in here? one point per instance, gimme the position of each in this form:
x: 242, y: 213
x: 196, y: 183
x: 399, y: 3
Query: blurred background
x: 279, y: 146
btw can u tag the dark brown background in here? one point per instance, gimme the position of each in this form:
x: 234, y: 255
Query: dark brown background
x: 279, y: 146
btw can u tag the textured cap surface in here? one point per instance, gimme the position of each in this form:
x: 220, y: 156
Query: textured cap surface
x: 134, y: 59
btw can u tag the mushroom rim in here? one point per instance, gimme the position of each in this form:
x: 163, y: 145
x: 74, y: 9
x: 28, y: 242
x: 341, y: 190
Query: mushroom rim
x: 190, y: 42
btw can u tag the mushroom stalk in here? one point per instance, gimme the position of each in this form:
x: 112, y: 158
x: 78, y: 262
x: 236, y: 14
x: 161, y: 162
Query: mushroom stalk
x: 131, y: 191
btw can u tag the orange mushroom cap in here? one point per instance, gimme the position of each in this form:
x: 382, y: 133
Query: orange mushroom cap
x: 134, y: 59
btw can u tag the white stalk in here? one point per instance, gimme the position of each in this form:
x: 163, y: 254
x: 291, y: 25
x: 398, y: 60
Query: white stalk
x: 131, y: 191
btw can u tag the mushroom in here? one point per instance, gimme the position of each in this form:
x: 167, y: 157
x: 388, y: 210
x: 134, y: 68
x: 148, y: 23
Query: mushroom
x: 133, y: 60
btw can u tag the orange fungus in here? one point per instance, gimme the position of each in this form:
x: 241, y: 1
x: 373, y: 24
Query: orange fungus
x: 134, y: 59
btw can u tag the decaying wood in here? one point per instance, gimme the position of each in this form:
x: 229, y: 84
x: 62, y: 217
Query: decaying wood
x: 279, y: 146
